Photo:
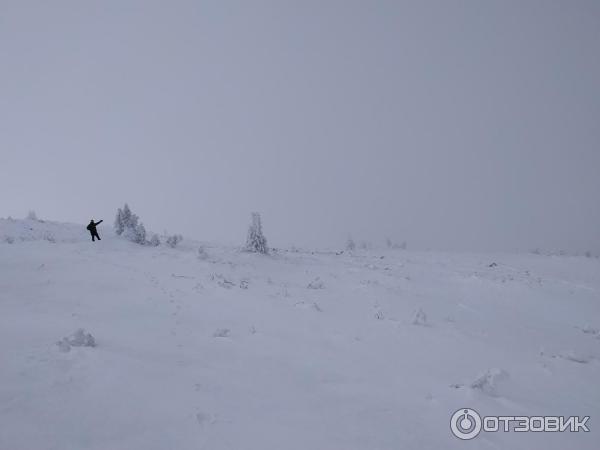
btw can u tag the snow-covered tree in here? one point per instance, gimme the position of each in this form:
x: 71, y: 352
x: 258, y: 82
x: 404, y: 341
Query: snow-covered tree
x: 125, y: 219
x: 136, y: 233
x: 172, y: 241
x: 31, y: 215
x: 126, y: 215
x: 133, y: 221
x: 256, y: 241
x: 128, y: 225
x: 154, y: 241
x: 119, y: 222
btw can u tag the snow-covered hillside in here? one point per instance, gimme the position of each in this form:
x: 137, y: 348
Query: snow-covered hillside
x: 295, y: 350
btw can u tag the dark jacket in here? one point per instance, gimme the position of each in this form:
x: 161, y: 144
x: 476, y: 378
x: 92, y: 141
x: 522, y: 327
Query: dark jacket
x: 92, y: 226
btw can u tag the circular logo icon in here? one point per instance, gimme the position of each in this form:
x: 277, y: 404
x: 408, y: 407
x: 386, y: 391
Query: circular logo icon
x: 465, y: 423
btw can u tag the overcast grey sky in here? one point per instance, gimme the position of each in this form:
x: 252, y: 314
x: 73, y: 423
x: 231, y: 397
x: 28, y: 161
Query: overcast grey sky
x: 451, y: 124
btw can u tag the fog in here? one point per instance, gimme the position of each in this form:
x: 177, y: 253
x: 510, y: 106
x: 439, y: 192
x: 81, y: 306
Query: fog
x: 453, y: 125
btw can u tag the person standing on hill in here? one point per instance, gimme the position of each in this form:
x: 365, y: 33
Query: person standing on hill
x: 92, y: 229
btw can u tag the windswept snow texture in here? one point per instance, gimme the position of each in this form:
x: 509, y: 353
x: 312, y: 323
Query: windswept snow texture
x: 233, y: 351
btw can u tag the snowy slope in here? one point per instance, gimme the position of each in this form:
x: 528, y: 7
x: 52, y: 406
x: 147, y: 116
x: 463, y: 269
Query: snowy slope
x: 12, y: 231
x: 236, y: 351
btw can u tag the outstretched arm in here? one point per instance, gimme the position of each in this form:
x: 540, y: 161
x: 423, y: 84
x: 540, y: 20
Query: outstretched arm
x: 98, y: 223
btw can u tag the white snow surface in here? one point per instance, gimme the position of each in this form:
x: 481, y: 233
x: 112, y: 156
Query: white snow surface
x: 235, y: 350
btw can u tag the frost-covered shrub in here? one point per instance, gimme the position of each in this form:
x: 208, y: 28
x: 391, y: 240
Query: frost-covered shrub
x: 9, y: 240
x: 574, y: 356
x: 173, y: 240
x: 80, y: 338
x: 489, y: 380
x: 202, y: 253
x: 317, y: 283
x: 419, y: 317
x: 31, y: 215
x: 588, y: 329
x: 256, y: 241
x: 222, y: 332
x: 401, y: 246
x: 154, y: 241
x: 350, y: 245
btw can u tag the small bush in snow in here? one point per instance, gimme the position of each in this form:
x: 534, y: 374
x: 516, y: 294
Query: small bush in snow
x: 63, y: 345
x: 31, y: 215
x: 256, y: 241
x: 350, y: 245
x: 419, y: 317
x: 401, y: 246
x: 154, y: 241
x: 317, y: 283
x: 82, y: 339
x: 9, y: 240
x: 172, y: 241
x: 78, y: 339
x: 488, y: 381
x: 221, y: 332
x: 588, y: 329
x: 574, y: 356
x: 202, y: 253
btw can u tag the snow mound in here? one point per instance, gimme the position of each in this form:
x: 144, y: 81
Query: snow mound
x: 222, y: 332
x: 588, y: 329
x: 571, y: 355
x: 317, y: 283
x: 236, y: 349
x: 419, y: 317
x: 80, y: 338
x: 488, y: 381
x: 14, y: 231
